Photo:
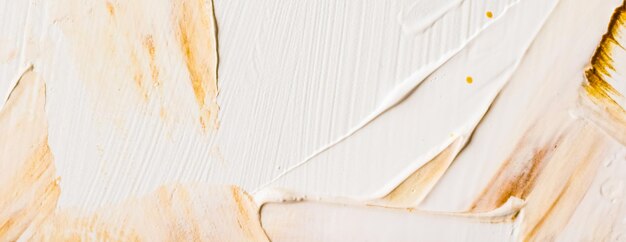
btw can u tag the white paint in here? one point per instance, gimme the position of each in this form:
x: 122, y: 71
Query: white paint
x: 541, y: 79
x: 326, y: 98
x: 443, y: 107
x: 312, y: 221
x: 278, y: 107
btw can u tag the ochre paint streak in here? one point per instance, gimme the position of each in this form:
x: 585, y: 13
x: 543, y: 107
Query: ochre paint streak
x: 31, y: 194
x: 604, y: 109
x: 29, y: 188
x: 110, y: 8
x: 246, y: 222
x: 552, y: 180
x: 171, y: 213
x: 154, y: 70
x: 198, y: 44
x: 415, y: 187
x: 564, y: 183
x: 240, y: 206
x: 124, y: 50
x: 515, y: 178
x: 602, y: 64
x: 138, y: 75
x: 178, y: 209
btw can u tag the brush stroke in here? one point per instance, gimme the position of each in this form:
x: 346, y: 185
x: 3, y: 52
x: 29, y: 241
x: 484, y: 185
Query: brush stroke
x: 552, y: 177
x: 506, y: 212
x: 395, y: 97
x: 428, y: 15
x: 120, y: 55
x: 564, y: 181
x: 402, y: 113
x: 197, y: 33
x: 602, y: 64
x: 421, y: 15
x: 320, y: 221
x: 516, y: 177
x: 171, y: 213
x: 29, y: 188
x: 411, y: 191
x: 603, y: 103
x: 530, y: 113
x: 551, y: 180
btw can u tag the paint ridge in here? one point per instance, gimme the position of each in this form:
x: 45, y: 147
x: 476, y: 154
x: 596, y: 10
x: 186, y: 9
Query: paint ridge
x: 395, y: 97
x: 197, y: 32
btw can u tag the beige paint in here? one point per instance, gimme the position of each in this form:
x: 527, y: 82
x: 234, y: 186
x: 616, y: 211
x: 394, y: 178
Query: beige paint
x: 150, y: 67
x: 29, y: 187
x: 172, y: 213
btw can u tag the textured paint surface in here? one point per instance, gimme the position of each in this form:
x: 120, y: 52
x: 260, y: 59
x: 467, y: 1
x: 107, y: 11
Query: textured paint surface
x: 173, y: 213
x: 30, y: 188
x: 199, y: 120
x: 196, y: 26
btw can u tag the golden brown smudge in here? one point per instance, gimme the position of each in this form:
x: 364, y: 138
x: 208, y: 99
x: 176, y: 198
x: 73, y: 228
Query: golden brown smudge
x: 516, y: 178
x: 198, y: 44
x: 469, y: 80
x: 29, y: 188
x: 110, y: 8
x: 415, y: 187
x: 138, y: 75
x: 530, y: 235
x: 238, y: 200
x: 489, y: 14
x: 154, y: 70
x: 600, y: 96
x: 564, y: 183
x: 552, y: 180
x: 246, y: 221
x: 602, y: 64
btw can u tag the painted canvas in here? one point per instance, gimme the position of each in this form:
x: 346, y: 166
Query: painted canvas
x: 321, y: 120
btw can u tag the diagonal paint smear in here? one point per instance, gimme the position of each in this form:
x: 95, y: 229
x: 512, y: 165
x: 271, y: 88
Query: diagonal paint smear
x: 420, y: 15
x: 564, y: 180
x: 395, y: 97
x: 506, y: 212
x: 197, y: 34
x: 602, y: 64
x: 411, y: 191
x: 429, y: 18
x: 29, y: 188
x: 516, y: 177
x: 601, y: 100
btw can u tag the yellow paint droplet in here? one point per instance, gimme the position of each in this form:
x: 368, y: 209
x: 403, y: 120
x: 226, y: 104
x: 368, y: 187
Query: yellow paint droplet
x: 489, y: 14
x: 469, y: 80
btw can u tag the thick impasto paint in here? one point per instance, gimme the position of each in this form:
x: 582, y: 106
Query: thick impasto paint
x: 271, y: 120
